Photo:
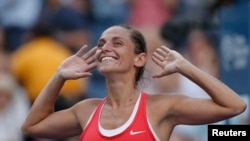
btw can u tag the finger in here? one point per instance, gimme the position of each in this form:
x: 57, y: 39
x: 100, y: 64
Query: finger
x: 91, y: 66
x: 81, y: 50
x: 98, y: 52
x: 89, y: 53
x: 157, y: 61
x: 165, y: 49
x: 158, y: 56
x: 161, y: 52
x: 82, y: 75
x: 158, y: 75
x: 90, y: 59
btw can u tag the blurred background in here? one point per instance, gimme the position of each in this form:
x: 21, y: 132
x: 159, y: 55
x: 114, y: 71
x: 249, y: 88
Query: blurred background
x: 36, y: 35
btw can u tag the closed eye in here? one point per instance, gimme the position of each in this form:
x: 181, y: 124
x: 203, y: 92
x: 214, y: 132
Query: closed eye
x: 117, y: 43
x: 99, y: 45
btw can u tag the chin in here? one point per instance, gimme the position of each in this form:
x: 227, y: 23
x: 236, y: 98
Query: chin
x: 105, y: 70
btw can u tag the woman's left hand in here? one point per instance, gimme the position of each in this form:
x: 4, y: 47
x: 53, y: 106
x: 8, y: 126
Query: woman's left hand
x: 169, y: 60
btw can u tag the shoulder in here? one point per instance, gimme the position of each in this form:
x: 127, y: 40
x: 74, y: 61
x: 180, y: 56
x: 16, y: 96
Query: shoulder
x: 87, y: 105
x: 90, y: 102
x: 85, y: 108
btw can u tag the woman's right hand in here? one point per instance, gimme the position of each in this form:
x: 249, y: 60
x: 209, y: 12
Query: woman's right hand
x: 78, y: 65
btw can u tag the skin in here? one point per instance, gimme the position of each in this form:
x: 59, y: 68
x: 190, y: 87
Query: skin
x: 172, y: 109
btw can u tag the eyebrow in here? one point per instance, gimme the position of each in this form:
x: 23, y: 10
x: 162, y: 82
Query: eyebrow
x: 113, y: 38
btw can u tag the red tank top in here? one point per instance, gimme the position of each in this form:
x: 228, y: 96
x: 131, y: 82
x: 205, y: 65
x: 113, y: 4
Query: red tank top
x: 138, y: 129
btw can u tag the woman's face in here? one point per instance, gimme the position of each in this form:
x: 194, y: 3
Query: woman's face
x: 115, y: 51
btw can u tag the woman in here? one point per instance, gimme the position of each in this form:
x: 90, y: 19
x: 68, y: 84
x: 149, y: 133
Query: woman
x: 126, y: 113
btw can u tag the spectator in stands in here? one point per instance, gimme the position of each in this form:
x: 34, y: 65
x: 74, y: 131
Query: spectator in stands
x: 67, y: 24
x: 14, y: 107
x: 34, y: 63
x: 17, y: 17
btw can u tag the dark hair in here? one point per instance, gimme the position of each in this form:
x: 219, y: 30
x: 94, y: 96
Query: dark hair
x: 140, y: 47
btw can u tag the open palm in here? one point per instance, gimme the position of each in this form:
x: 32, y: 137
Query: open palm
x: 168, y: 60
x: 78, y: 65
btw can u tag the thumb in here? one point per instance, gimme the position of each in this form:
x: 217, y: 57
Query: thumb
x: 158, y: 75
x: 82, y: 75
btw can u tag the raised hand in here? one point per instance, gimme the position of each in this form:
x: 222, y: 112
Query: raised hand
x: 168, y: 60
x: 78, y: 65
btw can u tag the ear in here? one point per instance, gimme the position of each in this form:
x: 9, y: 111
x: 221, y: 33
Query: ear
x: 140, y: 59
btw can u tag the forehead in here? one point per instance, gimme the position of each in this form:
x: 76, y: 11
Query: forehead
x: 115, y: 32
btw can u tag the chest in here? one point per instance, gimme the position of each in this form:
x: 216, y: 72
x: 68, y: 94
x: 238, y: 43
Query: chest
x: 112, y: 119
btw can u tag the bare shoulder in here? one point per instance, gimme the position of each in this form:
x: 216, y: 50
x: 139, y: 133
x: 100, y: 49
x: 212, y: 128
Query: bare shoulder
x: 88, y: 103
x: 85, y: 108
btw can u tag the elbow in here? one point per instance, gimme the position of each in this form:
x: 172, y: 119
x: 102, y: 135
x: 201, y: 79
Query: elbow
x: 32, y: 131
x: 244, y: 107
x: 241, y: 108
x: 25, y: 130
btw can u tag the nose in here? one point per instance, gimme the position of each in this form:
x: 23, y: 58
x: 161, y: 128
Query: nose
x: 107, y: 47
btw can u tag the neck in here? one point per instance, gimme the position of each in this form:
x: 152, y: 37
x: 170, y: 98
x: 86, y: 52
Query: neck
x: 121, y: 93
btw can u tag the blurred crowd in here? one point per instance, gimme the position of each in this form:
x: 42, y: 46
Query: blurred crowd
x: 37, y: 35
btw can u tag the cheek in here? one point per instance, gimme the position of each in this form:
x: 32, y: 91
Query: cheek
x: 129, y: 60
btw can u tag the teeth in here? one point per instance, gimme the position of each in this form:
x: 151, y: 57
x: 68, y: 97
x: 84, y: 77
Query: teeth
x: 107, y: 59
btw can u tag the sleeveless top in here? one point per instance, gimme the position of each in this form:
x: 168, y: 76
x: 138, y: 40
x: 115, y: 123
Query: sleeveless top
x: 136, y: 128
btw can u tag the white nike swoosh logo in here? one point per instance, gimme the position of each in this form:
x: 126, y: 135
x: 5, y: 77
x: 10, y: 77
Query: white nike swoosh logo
x: 137, y: 132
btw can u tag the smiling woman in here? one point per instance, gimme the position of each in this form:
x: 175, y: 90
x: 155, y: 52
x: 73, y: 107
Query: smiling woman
x: 134, y: 43
x: 127, y: 113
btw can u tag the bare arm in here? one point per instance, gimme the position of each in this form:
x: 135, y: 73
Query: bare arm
x: 42, y: 121
x: 224, y: 102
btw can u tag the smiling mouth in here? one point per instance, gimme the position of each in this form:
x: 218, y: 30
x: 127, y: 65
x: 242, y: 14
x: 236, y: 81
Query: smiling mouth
x: 107, y: 59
